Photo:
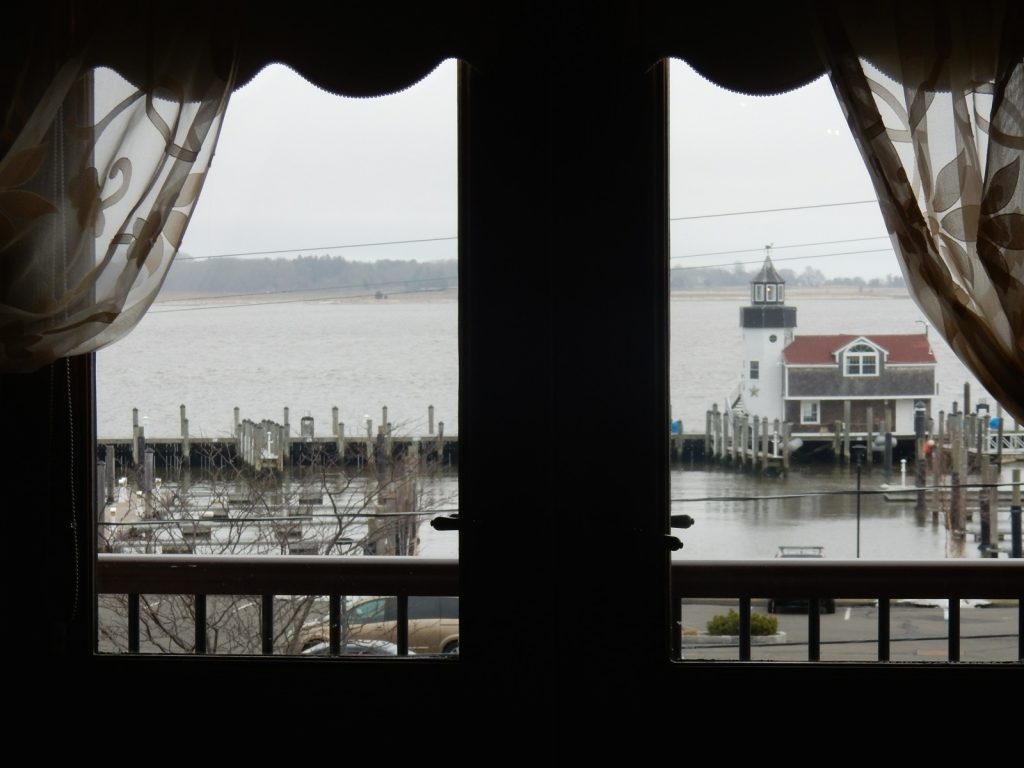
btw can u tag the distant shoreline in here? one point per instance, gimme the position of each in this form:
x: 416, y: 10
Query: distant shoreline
x: 451, y: 294
x: 269, y: 297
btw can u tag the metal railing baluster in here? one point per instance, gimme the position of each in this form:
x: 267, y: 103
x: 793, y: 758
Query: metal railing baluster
x: 744, y: 629
x: 200, y: 644
x: 813, y: 630
x: 1020, y: 629
x: 334, y: 620
x: 954, y: 628
x: 677, y: 629
x: 883, y: 629
x: 403, y: 624
x: 267, y: 624
x: 133, y: 623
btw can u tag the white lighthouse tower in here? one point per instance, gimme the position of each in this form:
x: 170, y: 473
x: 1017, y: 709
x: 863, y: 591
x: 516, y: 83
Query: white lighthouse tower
x: 767, y: 325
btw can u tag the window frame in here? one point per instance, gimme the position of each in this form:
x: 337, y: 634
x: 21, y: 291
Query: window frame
x: 858, y: 357
x: 816, y: 405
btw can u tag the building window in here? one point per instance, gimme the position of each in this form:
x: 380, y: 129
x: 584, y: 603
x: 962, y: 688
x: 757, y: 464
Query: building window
x: 769, y: 292
x: 861, y: 360
x: 782, y: 292
x: 809, y: 412
x: 759, y: 292
x: 754, y: 369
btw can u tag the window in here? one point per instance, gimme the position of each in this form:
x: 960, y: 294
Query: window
x: 758, y: 292
x: 353, y: 447
x: 781, y: 292
x: 754, y: 369
x: 809, y: 412
x: 769, y: 292
x: 861, y: 360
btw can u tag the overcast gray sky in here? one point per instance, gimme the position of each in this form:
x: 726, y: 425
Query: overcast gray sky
x: 301, y: 169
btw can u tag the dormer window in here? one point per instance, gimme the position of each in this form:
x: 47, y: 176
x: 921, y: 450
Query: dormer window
x: 861, y: 360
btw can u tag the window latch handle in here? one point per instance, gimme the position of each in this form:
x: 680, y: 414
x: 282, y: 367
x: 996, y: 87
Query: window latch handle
x: 673, y: 543
x: 681, y: 521
x: 446, y: 523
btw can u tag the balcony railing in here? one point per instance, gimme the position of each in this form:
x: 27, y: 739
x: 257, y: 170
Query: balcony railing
x: 816, y: 580
x: 268, y: 576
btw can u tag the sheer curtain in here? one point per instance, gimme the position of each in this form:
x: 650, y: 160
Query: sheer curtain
x: 98, y: 180
x: 934, y: 95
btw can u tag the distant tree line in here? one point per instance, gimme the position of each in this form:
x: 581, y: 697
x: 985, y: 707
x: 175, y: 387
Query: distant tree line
x: 737, y: 277
x: 313, y: 273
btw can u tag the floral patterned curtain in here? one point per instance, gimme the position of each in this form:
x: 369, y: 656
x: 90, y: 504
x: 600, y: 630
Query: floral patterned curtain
x: 98, y: 180
x: 934, y: 95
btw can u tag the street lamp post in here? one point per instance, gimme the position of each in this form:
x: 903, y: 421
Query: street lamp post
x: 859, y: 451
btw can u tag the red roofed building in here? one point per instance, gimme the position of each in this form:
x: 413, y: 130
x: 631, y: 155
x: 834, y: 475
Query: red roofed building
x: 887, y: 373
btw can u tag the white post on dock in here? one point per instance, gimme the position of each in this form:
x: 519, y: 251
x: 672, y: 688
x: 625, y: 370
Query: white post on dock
x: 185, y: 447
x: 716, y: 425
x: 764, y: 443
x: 744, y: 438
x: 237, y: 420
x: 430, y: 419
x: 136, y: 458
x: 111, y: 466
x: 707, y: 435
x: 787, y: 430
x: 847, y: 418
x: 287, y: 443
x: 776, y: 452
x: 334, y: 420
x: 101, y: 488
x: 999, y: 437
x: 869, y: 454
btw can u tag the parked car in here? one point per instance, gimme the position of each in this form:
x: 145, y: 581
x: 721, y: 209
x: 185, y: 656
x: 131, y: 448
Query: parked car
x: 355, y: 648
x: 433, y: 624
x: 780, y: 605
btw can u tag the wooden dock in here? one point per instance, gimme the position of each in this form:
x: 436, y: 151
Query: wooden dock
x: 270, y: 445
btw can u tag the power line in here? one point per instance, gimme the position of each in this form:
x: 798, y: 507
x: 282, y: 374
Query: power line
x: 412, y: 241
x: 784, y: 258
x: 317, y: 248
x: 779, y: 247
x: 771, y: 210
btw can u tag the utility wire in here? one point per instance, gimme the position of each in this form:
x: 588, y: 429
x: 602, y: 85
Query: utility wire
x: 306, y: 299
x: 411, y: 241
x: 778, y: 247
x: 771, y: 210
x: 317, y: 248
x: 157, y: 310
x: 784, y: 258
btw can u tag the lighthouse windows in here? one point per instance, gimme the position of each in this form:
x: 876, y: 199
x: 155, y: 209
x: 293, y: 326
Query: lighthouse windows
x: 769, y: 292
x: 755, y: 371
x: 758, y: 292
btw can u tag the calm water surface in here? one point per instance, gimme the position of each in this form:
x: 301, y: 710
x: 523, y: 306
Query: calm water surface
x: 402, y: 353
